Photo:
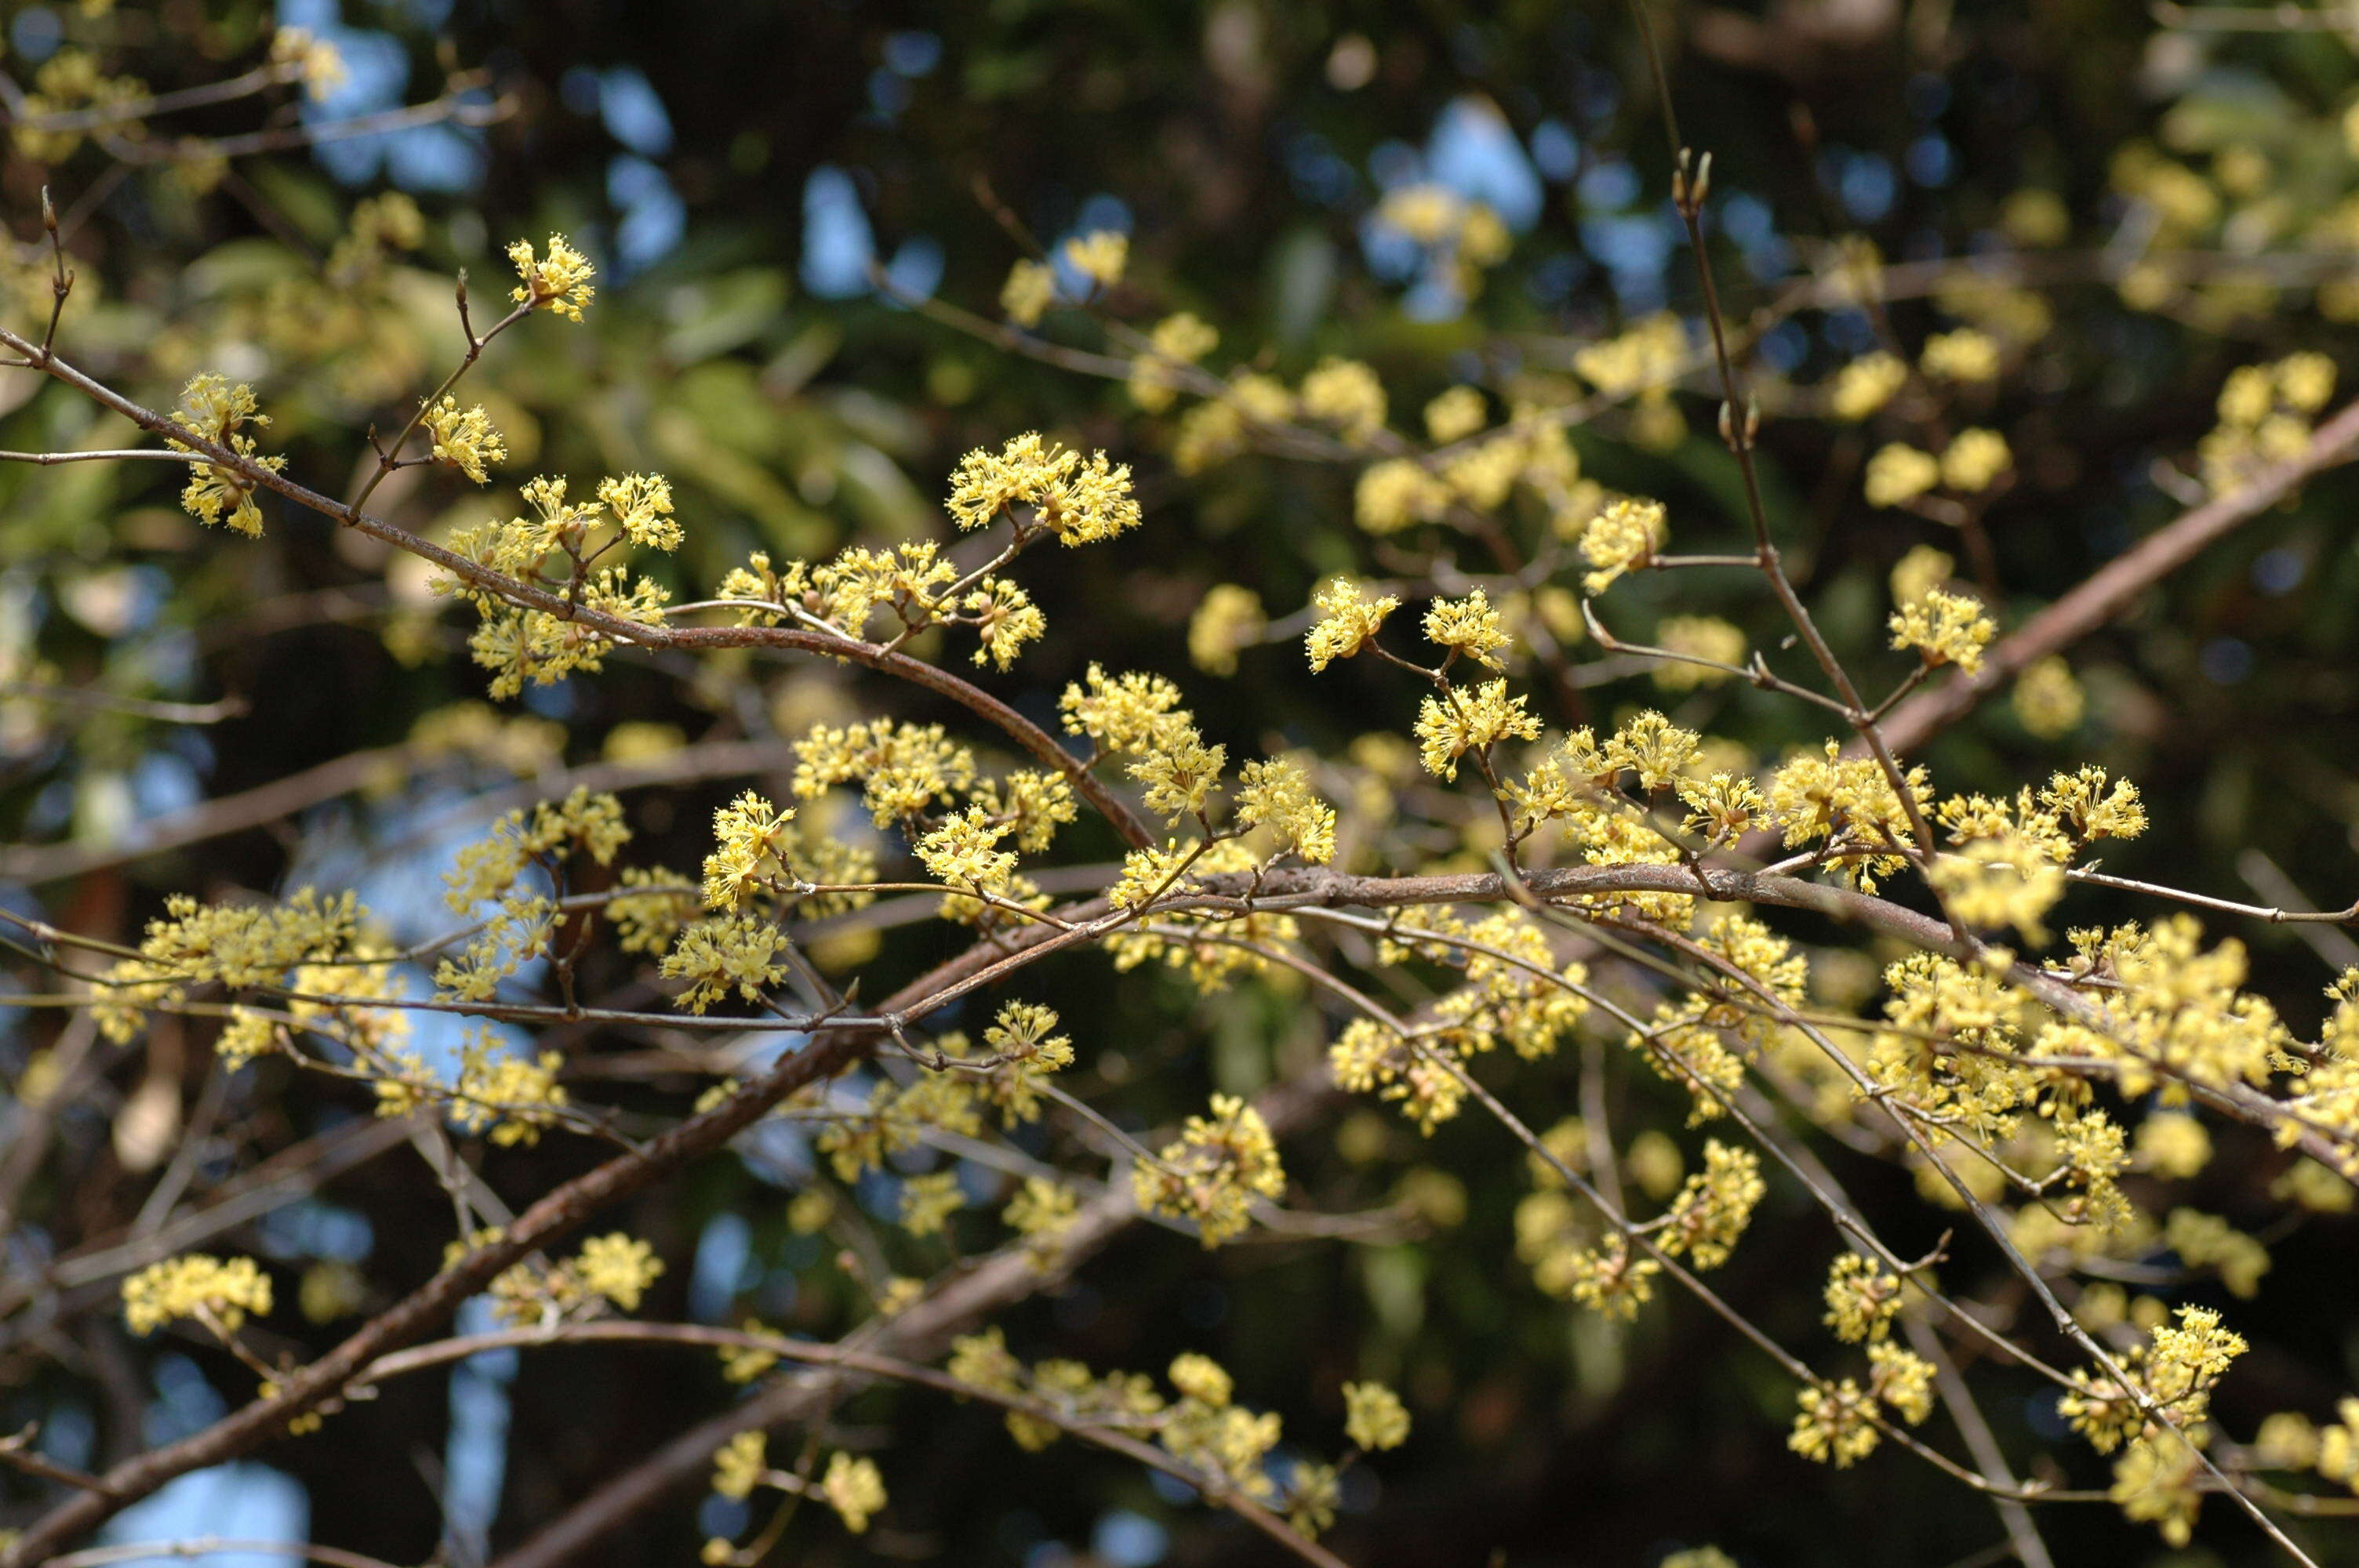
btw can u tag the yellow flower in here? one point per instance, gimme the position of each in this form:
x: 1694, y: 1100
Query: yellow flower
x: 1470, y: 719
x: 1623, y: 536
x: 1945, y: 628
x: 1468, y: 626
x: 619, y: 1268
x: 1030, y: 288
x: 559, y: 282
x: 1963, y: 355
x: 1080, y: 502
x: 1836, y: 1425
x: 465, y: 438
x: 853, y: 1488
x: 219, y: 411
x: 1455, y: 415
x: 2047, y: 699
x: 218, y: 1293
x: 1974, y: 461
x: 1700, y: 637
x: 1862, y: 1299
x: 1920, y: 572
x: 1276, y: 794
x: 1219, y: 1164
x: 1346, y: 395
x: 1099, y: 256
x: 1348, y: 622
x: 1393, y: 494
x: 1899, y: 473
x: 1228, y: 620
x: 1374, y: 1417
x: 738, y: 1464
x: 1867, y: 384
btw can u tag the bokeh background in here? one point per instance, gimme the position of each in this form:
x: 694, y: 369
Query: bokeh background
x: 740, y: 170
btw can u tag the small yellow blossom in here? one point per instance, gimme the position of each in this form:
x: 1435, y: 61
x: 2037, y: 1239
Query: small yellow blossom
x: 1965, y: 355
x: 1348, y: 622
x: 853, y: 1488
x: 219, y: 1295
x: 1468, y: 626
x: 1945, y: 628
x: 219, y: 412
x: 1973, y: 462
x: 1920, y: 572
x: 1623, y: 536
x: 2047, y: 699
x: 1374, y: 1417
x: 559, y: 282
x: 1862, y: 1299
x: 1470, y: 719
x: 1212, y: 1175
x: 738, y: 1464
x: 1867, y: 384
x: 1455, y: 414
x: 1836, y: 1425
x: 1099, y: 256
x: 1396, y: 493
x: 1347, y: 395
x: 1080, y: 502
x: 1030, y: 288
x: 1899, y: 473
x: 619, y: 1268
x: 465, y: 438
x: 1228, y: 620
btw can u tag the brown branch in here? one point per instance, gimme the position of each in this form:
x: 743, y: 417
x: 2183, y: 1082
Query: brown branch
x: 557, y: 1213
x: 1022, y: 730
x: 920, y: 1332
x: 2108, y: 591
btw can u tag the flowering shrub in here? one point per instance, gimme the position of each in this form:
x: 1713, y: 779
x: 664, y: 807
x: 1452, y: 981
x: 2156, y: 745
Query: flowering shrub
x: 1759, y: 969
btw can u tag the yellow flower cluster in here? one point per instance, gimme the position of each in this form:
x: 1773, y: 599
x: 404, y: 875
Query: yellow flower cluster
x: 1100, y: 256
x: 315, y: 62
x: 1346, y: 395
x: 236, y: 946
x: 1972, y: 463
x: 1867, y: 384
x: 1228, y: 620
x: 1862, y: 1299
x: 1079, y: 502
x: 1348, y: 622
x: 613, y: 1270
x: 1467, y: 627
x: 493, y: 870
x: 66, y: 80
x: 1471, y: 720
x: 1698, y: 637
x: 2264, y: 418
x: 215, y: 1293
x: 1714, y: 1207
x: 559, y: 281
x: 507, y: 1096
x: 1460, y: 235
x: 1945, y: 628
x: 516, y: 642
x: 1177, y: 340
x: 1622, y: 538
x: 1374, y: 1417
x: 1212, y: 1175
x: 219, y: 412
x: 465, y: 439
x: 739, y: 953
x: 1836, y: 1424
